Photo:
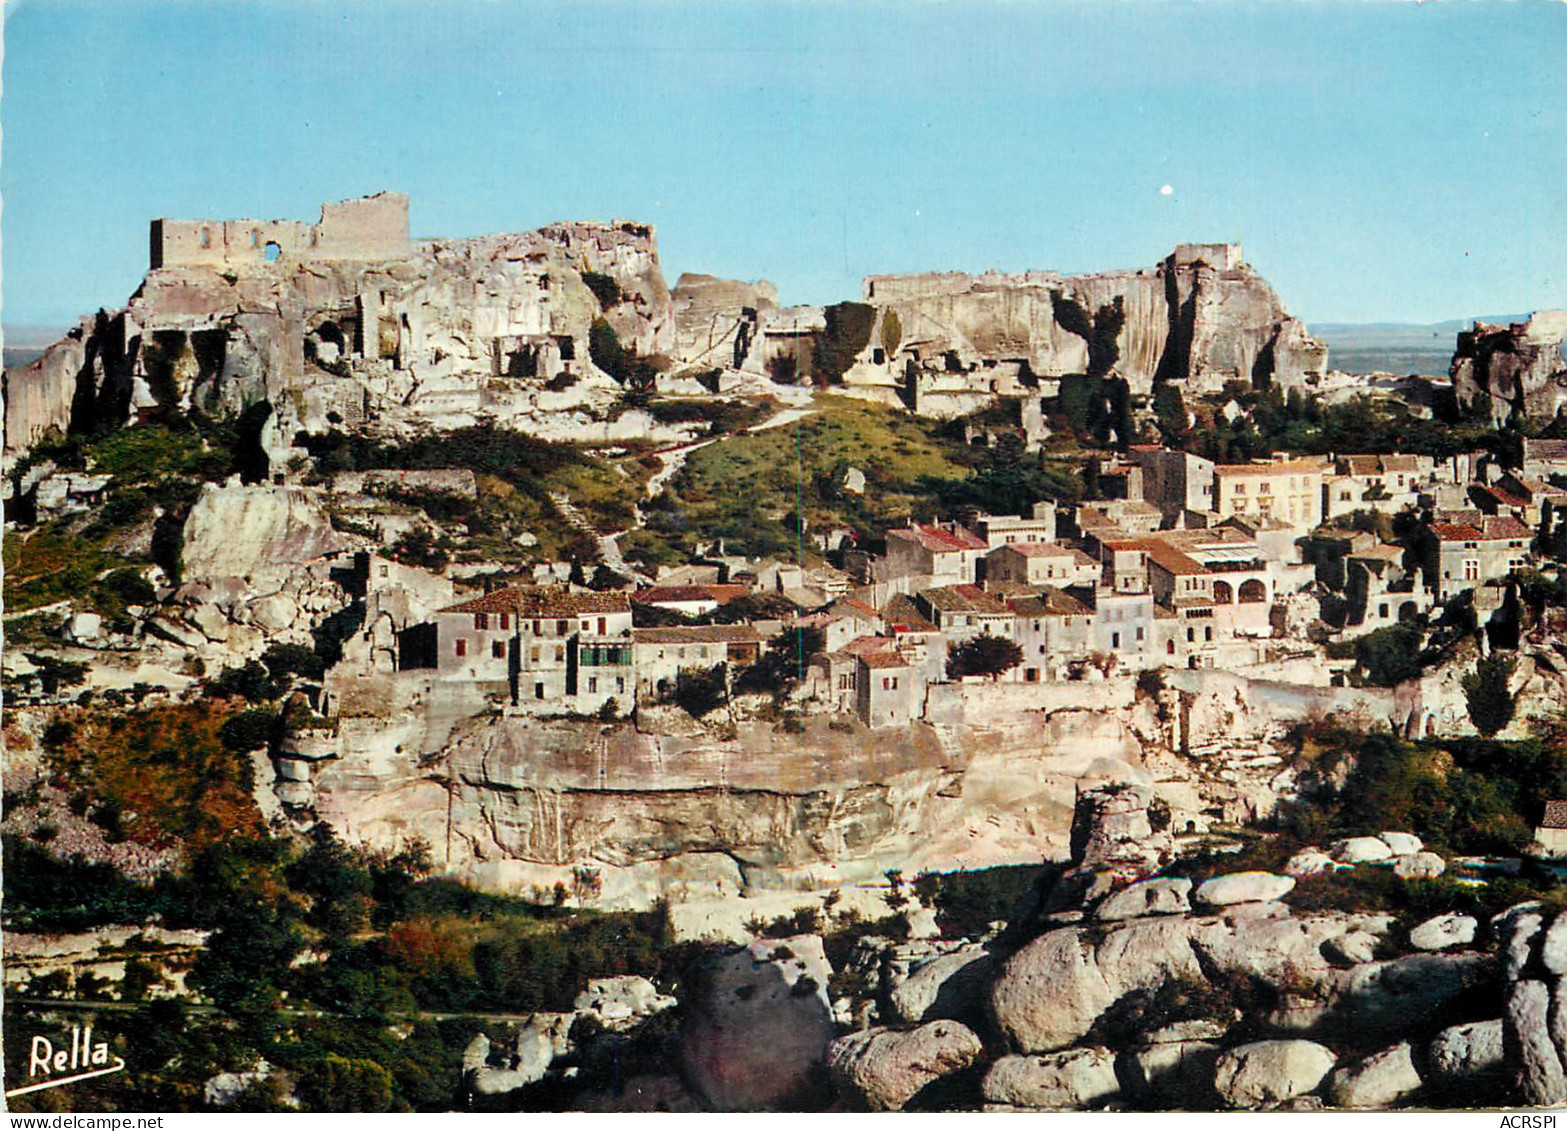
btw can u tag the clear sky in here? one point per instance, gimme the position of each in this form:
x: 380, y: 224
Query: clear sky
x: 1379, y: 160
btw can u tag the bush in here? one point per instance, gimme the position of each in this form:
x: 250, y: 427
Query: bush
x: 1487, y: 694
x: 848, y: 331
x: 1389, y: 656
x: 604, y: 288
x: 985, y: 655
x: 251, y: 729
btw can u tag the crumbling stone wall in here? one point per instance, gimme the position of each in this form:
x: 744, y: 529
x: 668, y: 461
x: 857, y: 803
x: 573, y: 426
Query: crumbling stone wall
x: 370, y: 228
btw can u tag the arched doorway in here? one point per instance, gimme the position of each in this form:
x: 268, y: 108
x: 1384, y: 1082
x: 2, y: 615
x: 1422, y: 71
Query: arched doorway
x: 1222, y: 593
x: 1253, y: 591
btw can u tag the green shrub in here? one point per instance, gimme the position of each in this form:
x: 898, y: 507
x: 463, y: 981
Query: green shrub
x: 1487, y: 694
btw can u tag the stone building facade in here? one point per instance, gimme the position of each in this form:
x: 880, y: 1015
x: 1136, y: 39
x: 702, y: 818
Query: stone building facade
x: 368, y: 229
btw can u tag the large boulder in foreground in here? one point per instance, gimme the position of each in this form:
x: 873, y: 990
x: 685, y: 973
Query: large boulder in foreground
x: 884, y: 1069
x: 1071, y: 1080
x: 1268, y: 1073
x: 757, y: 1024
x: 1380, y: 1080
x: 252, y: 532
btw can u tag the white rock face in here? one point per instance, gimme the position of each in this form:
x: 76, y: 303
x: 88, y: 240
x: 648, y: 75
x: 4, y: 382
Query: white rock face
x: 1401, y: 844
x: 1443, y: 931
x: 1268, y: 1073
x: 1244, y: 887
x: 1361, y: 850
x: 885, y: 1069
x: 1072, y: 1080
x: 1463, y: 1052
x: 1163, y: 896
x: 226, y: 1087
x: 757, y: 1023
x: 1380, y: 1080
x: 283, y: 527
x: 1541, y: 1075
x: 1553, y: 947
x: 621, y: 1000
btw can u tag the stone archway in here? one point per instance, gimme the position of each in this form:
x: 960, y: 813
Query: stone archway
x: 1223, y: 594
x: 1253, y: 591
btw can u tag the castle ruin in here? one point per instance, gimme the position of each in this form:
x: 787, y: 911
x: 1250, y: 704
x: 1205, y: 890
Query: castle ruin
x: 368, y: 229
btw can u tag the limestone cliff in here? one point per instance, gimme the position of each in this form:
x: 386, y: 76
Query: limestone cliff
x: 1515, y: 371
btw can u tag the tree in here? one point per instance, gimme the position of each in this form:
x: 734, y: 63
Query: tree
x: 336, y: 1083
x: 783, y: 664
x: 1485, y: 690
x: 700, y: 691
x: 985, y: 655
x: 1391, y: 655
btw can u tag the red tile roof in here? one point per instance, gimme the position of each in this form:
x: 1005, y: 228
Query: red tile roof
x: 681, y: 594
x: 884, y: 660
x: 698, y: 634
x: 942, y: 541
x: 1555, y: 815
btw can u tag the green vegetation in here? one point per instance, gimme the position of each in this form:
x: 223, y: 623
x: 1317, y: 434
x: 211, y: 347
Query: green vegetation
x: 891, y: 332
x: 749, y: 489
x: 848, y: 332
x: 1390, y: 655
x: 604, y: 288
x: 983, y: 655
x: 1487, y: 695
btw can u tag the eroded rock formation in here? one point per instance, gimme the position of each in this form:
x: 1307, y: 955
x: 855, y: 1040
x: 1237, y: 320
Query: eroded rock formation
x: 1514, y: 370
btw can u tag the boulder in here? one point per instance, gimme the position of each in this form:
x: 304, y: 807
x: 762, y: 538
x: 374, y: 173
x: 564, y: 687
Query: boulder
x: 1418, y: 989
x: 284, y: 527
x: 1173, y: 1074
x: 1553, y: 946
x: 1268, y: 1073
x: 1050, y: 993
x: 526, y: 1062
x: 951, y: 985
x: 1163, y: 896
x: 1308, y: 862
x: 1243, y: 887
x: 884, y: 1069
x: 1361, y: 850
x: 1401, y: 844
x: 1516, y: 932
x: 756, y: 1024
x: 1419, y: 866
x: 621, y: 1001
x: 1444, y: 931
x: 1114, y: 830
x: 1073, y: 1080
x: 1463, y: 1052
x: 274, y: 613
x: 1379, y: 1080
x: 1542, y: 1080
x: 921, y: 923
x: 1352, y: 947
x: 226, y: 1087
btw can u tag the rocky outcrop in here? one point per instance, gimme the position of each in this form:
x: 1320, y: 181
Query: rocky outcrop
x: 1202, y: 317
x: 283, y: 527
x: 447, y: 334
x: 1515, y: 371
x: 757, y: 1024
x: 1534, y: 1020
x: 883, y: 1069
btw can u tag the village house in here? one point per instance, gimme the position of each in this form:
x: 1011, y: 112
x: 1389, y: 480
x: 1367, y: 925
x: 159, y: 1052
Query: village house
x: 1383, y: 483
x: 661, y: 654
x: 1283, y: 488
x: 1551, y: 833
x: 544, y: 647
x: 1459, y: 557
x: 888, y: 693
x: 1379, y: 590
x: 689, y: 600
x: 965, y: 611
x: 944, y: 555
x: 1040, y: 563
x: 1545, y: 460
x: 1054, y: 631
x: 1175, y: 482
x: 1005, y: 529
x: 1524, y: 498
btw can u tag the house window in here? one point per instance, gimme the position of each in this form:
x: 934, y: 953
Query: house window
x: 538, y: 691
x: 603, y: 627
x: 1139, y: 632
x: 536, y: 628
x: 1471, y: 569
x: 1207, y: 634
x: 498, y: 649
x: 1382, y: 610
x: 481, y: 621
x: 560, y: 628
x: 384, y: 570
x: 593, y: 685
x: 1115, y: 640
x: 584, y: 626
x: 560, y: 653
x: 533, y: 654
x: 620, y: 685
x: 505, y: 621
x: 462, y: 646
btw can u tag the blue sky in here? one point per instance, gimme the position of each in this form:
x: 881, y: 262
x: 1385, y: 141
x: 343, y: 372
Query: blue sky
x: 1379, y: 160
